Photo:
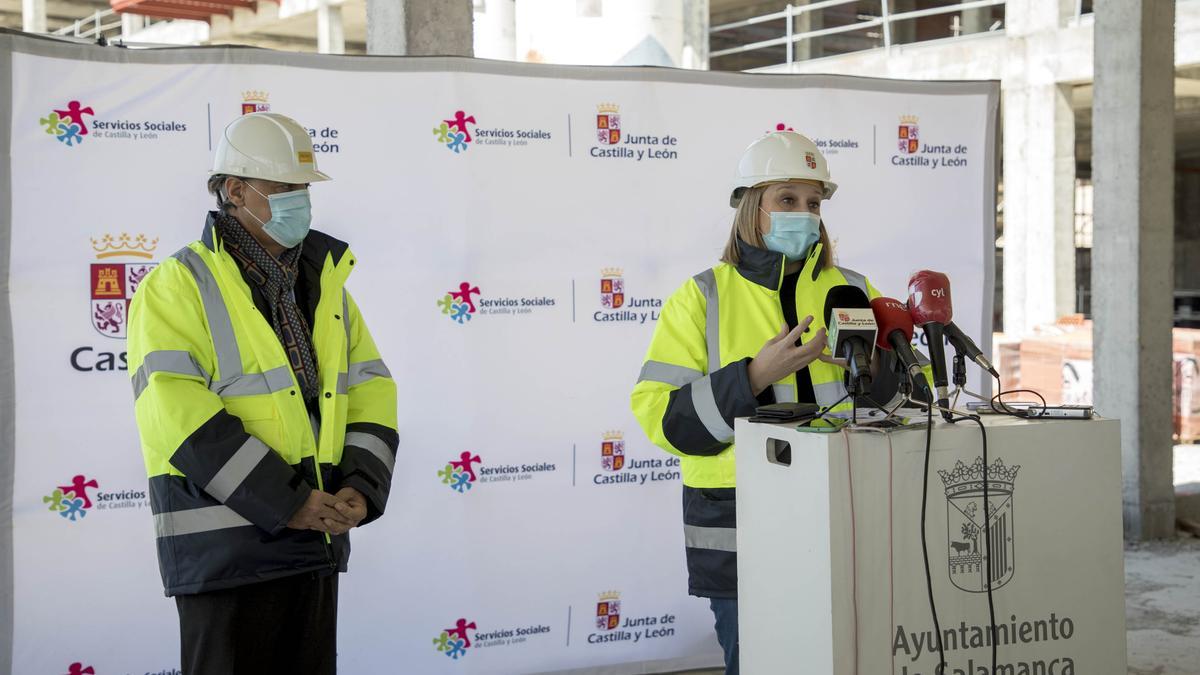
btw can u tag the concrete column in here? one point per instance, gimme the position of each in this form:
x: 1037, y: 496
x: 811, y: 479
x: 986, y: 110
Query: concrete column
x: 696, y: 22
x: 420, y: 27
x: 1039, y: 171
x: 1187, y: 229
x: 1132, y: 167
x: 496, y: 30
x: 1039, y: 192
x: 903, y: 32
x: 806, y: 22
x: 975, y: 20
x: 1024, y: 17
x: 672, y: 33
x: 331, y: 37
x: 245, y: 22
x: 33, y: 16
x: 131, y: 24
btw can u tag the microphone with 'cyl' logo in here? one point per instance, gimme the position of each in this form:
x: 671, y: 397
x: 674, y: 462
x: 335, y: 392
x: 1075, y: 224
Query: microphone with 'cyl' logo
x: 930, y: 308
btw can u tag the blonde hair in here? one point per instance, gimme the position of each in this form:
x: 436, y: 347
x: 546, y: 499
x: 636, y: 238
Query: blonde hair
x: 745, y: 227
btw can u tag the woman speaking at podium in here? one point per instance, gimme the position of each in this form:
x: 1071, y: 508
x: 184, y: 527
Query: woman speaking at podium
x: 747, y: 332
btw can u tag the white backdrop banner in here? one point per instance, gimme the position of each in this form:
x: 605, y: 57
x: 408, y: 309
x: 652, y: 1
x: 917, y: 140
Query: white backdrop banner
x: 518, y: 228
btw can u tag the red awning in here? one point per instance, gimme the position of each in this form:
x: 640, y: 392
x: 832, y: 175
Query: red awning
x: 196, y: 10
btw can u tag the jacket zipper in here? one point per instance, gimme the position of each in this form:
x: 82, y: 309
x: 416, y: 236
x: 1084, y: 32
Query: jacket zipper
x: 326, y: 539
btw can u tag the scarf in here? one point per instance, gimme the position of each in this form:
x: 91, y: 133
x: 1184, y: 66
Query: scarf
x: 276, y: 278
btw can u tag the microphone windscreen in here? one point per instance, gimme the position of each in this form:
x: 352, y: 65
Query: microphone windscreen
x: 892, y: 316
x: 929, y: 298
x: 845, y: 297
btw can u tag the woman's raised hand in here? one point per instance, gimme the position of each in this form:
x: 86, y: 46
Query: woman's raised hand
x: 780, y: 356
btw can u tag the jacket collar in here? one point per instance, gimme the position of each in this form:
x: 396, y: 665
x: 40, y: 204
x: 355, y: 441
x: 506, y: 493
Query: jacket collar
x: 317, y: 245
x: 766, y: 268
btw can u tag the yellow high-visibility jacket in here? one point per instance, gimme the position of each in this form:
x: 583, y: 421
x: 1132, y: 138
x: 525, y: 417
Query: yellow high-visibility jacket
x: 231, y: 448
x: 695, y: 383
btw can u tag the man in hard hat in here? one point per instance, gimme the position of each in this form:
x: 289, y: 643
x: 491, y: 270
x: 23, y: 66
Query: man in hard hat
x: 267, y: 417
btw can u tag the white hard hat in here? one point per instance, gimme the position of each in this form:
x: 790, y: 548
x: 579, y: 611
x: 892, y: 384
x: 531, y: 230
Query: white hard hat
x: 777, y: 157
x: 268, y: 146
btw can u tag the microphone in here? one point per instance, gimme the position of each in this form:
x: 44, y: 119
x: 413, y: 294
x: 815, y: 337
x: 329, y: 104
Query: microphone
x: 930, y: 308
x: 966, y: 346
x: 895, y: 334
x: 852, y: 331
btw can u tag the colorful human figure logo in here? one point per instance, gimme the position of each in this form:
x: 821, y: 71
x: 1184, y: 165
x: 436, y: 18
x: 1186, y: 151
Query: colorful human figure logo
x: 75, y: 112
x: 454, y: 642
x: 68, y: 126
x: 454, y: 133
x: 460, y: 474
x: 80, y: 669
x: 460, y: 305
x: 72, y: 501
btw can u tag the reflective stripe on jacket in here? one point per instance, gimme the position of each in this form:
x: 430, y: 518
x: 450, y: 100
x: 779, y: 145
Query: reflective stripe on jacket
x: 695, y: 382
x: 230, y: 447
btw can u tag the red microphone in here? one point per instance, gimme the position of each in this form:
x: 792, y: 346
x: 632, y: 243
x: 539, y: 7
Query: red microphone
x: 895, y: 334
x: 892, y: 316
x: 929, y: 298
x: 930, y: 308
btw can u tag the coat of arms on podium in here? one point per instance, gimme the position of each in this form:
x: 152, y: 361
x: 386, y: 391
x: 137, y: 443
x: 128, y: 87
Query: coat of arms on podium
x: 971, y: 542
x: 608, y: 611
x: 612, y: 451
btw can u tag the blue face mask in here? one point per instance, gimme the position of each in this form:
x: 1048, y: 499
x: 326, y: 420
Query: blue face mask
x: 291, y: 217
x: 793, y: 233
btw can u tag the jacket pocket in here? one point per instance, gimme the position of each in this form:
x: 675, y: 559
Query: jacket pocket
x: 710, y: 507
x: 259, y: 417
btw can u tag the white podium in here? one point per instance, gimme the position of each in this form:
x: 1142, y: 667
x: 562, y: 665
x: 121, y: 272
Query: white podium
x: 830, y: 571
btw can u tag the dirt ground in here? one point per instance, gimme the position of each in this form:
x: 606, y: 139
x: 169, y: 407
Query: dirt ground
x: 1162, y: 607
x: 1162, y: 592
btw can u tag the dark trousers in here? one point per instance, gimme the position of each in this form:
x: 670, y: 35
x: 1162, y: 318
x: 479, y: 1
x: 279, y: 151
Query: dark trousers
x: 726, y: 612
x: 286, y: 625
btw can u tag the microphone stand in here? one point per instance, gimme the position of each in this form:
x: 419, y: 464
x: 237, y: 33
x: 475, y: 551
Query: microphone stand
x: 960, y: 379
x: 857, y: 381
x: 852, y: 389
x: 905, y: 379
